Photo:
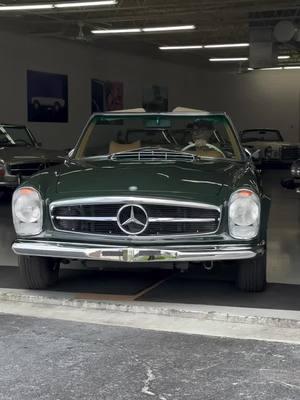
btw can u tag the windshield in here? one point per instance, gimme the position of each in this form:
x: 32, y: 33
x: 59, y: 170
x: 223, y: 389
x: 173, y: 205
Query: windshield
x: 15, y: 136
x: 265, y: 135
x: 203, y: 136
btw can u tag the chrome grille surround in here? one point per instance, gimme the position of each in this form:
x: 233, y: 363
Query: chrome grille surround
x: 290, y: 153
x: 153, y: 155
x: 144, y: 201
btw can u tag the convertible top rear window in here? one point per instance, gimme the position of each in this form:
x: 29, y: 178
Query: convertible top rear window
x: 208, y: 136
x: 261, y: 135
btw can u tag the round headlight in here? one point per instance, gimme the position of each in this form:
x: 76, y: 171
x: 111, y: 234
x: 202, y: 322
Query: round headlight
x: 27, y: 211
x: 295, y: 169
x: 244, y: 214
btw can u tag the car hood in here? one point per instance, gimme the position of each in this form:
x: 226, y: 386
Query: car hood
x: 203, y: 180
x: 19, y: 154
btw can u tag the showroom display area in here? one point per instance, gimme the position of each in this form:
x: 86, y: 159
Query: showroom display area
x: 266, y: 99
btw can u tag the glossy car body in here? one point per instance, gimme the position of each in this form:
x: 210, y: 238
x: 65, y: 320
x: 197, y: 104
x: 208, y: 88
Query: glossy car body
x: 22, y: 157
x: 273, y: 148
x: 144, y: 205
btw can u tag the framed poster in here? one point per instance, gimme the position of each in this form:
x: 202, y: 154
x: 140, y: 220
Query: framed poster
x: 47, y: 97
x: 98, y: 98
x: 156, y: 99
x: 114, y: 93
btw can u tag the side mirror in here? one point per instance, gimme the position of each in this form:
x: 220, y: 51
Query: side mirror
x: 71, y: 152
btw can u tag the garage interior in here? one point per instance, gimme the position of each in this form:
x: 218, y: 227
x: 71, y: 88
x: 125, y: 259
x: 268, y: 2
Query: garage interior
x: 136, y: 331
x: 60, y: 41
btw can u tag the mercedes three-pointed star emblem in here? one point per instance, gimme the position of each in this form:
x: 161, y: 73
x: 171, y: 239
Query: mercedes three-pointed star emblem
x: 132, y: 219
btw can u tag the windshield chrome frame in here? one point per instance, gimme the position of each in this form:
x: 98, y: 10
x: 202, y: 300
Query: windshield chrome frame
x: 121, y: 114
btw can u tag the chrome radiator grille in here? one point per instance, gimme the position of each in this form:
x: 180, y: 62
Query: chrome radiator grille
x: 137, y: 218
x: 28, y: 169
x: 291, y: 153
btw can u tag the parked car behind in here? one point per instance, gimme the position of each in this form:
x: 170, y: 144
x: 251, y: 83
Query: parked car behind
x: 273, y: 148
x: 294, y: 181
x: 22, y: 156
x: 146, y: 187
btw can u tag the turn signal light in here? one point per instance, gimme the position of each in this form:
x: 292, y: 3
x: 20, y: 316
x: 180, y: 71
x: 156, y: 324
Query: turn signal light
x: 2, y: 170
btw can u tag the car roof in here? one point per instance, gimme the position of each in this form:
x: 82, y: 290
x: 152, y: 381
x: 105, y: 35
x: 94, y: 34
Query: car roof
x: 175, y: 112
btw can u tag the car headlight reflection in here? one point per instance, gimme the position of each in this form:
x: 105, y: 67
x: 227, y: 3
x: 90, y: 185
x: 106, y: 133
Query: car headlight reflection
x: 244, y: 214
x: 27, y: 211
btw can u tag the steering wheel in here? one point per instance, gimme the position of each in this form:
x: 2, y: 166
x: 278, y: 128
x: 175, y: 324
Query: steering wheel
x: 210, y: 146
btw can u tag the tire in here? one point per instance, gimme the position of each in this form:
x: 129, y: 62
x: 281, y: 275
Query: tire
x: 38, y: 272
x: 252, y: 274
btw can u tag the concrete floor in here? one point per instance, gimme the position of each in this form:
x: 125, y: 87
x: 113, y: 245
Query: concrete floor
x: 56, y: 360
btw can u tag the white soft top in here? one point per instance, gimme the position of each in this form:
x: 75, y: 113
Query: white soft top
x: 175, y: 110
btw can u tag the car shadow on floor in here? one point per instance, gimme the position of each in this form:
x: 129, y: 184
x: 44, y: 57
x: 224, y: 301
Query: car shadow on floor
x: 197, y: 286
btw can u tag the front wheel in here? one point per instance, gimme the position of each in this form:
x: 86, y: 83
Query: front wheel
x: 38, y: 272
x: 252, y: 274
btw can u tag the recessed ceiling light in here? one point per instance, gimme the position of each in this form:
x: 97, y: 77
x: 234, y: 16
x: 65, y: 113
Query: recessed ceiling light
x: 170, y: 28
x: 26, y: 7
x: 86, y: 4
x: 217, y: 46
x: 228, y: 59
x: 283, y: 57
x: 181, y: 47
x: 113, y: 31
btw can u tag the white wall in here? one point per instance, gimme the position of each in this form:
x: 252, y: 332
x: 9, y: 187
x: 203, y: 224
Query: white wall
x: 263, y: 99
x: 80, y: 63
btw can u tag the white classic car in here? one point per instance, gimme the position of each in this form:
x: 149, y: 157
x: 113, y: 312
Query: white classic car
x: 273, y: 149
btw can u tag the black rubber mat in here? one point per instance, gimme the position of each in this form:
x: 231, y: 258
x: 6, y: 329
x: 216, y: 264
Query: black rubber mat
x: 193, y: 287
x: 197, y: 291
x: 104, y: 282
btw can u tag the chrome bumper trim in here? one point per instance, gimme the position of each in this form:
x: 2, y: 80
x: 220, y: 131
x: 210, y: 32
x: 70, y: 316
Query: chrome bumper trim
x: 135, y: 254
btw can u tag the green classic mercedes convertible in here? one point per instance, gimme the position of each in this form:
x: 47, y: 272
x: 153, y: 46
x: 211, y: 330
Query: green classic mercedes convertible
x: 143, y: 187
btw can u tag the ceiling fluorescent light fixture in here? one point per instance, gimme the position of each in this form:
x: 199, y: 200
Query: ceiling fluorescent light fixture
x: 170, y: 28
x: 220, y: 46
x: 26, y: 7
x: 271, y: 69
x: 292, y: 67
x: 180, y: 47
x: 283, y: 57
x: 86, y: 4
x: 228, y: 59
x: 115, y: 31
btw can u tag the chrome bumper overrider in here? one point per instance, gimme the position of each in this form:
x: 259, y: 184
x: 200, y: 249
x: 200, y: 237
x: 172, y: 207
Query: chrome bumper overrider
x: 135, y: 254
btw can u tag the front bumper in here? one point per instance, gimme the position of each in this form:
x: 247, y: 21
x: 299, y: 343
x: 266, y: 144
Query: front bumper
x: 136, y: 254
x: 10, y: 183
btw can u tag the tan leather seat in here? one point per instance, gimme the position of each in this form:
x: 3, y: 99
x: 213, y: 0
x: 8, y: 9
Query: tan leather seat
x: 206, y: 152
x: 115, y: 147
